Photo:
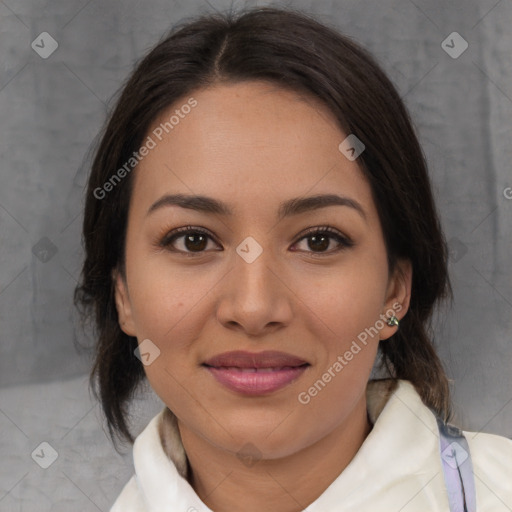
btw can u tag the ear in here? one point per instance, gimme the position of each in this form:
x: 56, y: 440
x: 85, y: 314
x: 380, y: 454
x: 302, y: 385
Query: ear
x: 123, y: 305
x: 398, y: 296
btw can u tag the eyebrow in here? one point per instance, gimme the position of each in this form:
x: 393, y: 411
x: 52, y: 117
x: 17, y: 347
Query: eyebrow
x: 288, y: 208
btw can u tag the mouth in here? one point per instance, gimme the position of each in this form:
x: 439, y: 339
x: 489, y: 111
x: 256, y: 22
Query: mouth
x: 255, y: 370
x: 258, y: 360
x: 256, y: 373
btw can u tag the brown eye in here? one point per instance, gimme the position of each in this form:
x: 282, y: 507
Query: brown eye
x: 319, y: 240
x: 195, y: 242
x: 192, y: 240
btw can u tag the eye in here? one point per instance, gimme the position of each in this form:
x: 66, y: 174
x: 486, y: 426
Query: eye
x: 195, y: 240
x: 320, y: 239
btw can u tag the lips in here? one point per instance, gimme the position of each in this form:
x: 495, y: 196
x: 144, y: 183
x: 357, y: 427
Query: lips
x: 254, y: 361
x: 255, y: 374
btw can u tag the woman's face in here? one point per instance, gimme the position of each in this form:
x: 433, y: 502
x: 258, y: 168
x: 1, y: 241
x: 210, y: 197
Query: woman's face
x: 253, y: 279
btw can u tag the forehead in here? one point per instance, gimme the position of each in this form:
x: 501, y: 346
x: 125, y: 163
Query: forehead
x: 248, y: 138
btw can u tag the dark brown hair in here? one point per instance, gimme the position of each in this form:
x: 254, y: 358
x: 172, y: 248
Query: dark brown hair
x: 292, y: 50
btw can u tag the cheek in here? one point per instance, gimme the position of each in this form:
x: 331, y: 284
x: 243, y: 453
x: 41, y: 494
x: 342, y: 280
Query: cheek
x: 158, y: 307
x: 348, y: 300
x: 170, y: 307
x: 342, y: 314
x: 169, y: 313
x: 162, y: 295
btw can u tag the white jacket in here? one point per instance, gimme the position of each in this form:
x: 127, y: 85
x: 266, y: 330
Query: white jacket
x: 397, y: 468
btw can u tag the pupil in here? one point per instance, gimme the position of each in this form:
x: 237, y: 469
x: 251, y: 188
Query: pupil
x: 317, y: 242
x: 323, y: 245
x: 195, y: 246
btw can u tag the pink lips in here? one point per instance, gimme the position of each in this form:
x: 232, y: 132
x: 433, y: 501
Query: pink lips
x: 255, y: 373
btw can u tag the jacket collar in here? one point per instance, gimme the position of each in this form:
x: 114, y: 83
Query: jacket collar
x: 377, y: 395
x: 400, y: 452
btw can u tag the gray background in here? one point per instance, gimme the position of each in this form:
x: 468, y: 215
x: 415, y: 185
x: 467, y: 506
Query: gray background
x: 51, y: 110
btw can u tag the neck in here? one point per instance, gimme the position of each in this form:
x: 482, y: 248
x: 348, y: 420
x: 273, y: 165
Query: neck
x: 287, y: 484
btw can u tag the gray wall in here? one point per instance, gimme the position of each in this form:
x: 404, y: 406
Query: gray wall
x: 50, y: 112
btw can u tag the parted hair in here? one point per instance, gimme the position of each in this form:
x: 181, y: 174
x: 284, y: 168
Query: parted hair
x: 293, y: 50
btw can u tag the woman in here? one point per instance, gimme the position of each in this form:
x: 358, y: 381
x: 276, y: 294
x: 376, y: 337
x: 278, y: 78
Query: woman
x: 260, y: 232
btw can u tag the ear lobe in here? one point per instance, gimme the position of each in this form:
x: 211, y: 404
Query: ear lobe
x: 123, y: 305
x: 398, y: 296
x: 401, y: 288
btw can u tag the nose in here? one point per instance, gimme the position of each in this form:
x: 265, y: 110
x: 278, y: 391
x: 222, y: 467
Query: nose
x: 254, y: 296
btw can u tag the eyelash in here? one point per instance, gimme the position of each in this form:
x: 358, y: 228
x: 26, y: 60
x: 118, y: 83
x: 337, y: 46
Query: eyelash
x: 175, y: 234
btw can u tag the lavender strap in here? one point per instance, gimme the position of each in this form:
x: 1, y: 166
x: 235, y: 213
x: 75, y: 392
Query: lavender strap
x: 457, y: 468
